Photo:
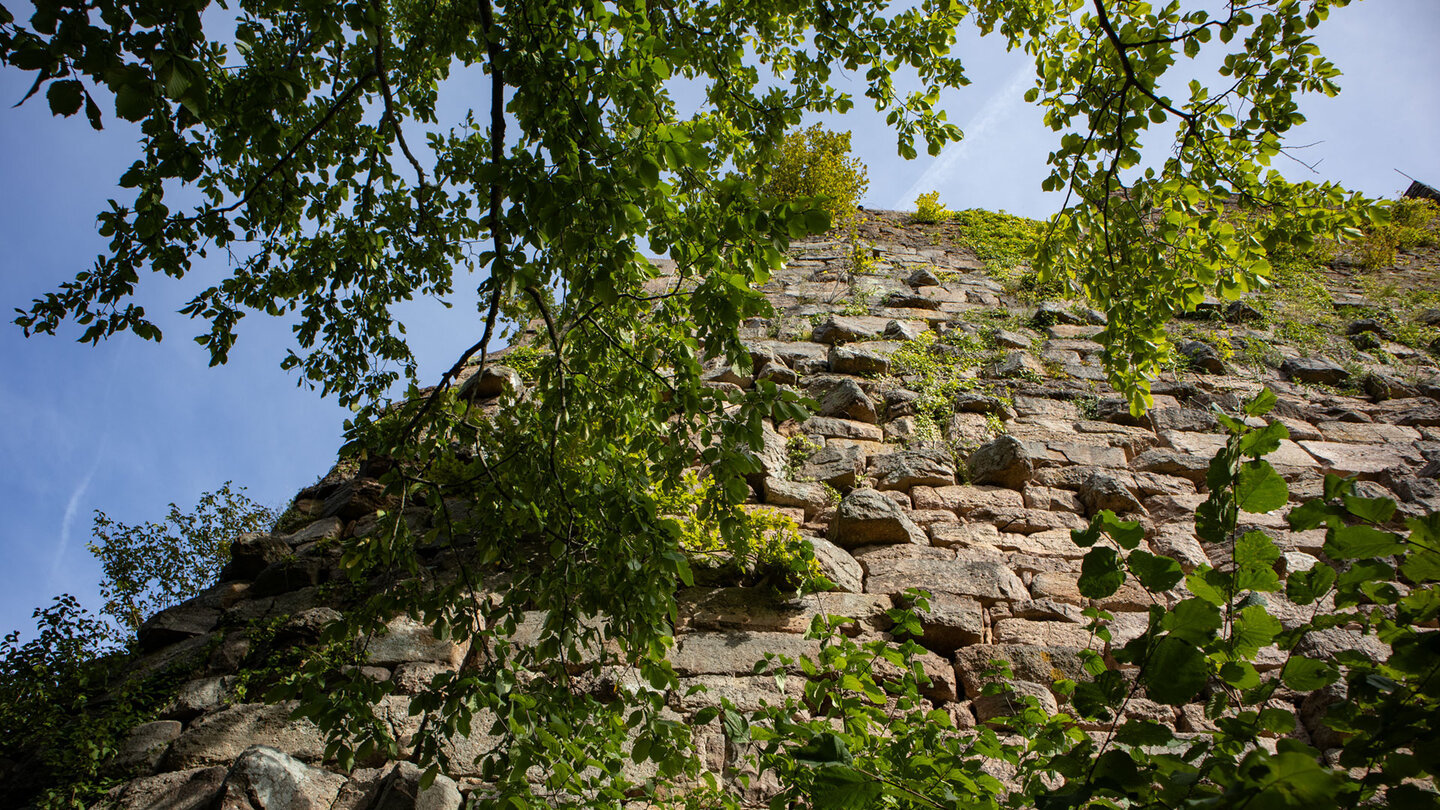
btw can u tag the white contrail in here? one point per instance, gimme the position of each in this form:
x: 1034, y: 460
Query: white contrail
x: 68, y: 521
x: 995, y: 109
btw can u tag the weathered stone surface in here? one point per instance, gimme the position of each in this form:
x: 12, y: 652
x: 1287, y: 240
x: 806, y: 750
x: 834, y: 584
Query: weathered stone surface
x: 1383, y: 386
x: 1015, y: 364
x: 252, y: 553
x: 924, y: 277
x: 924, y: 466
x: 734, y: 652
x: 1205, y: 445
x: 848, y: 329
x: 967, y: 536
x: 773, y: 455
x: 1414, y: 411
x: 361, y: 789
x: 326, y: 529
x: 903, y: 330
x: 264, y: 778
x: 833, y: 428
x: 199, y: 695
x: 1103, y: 491
x: 1191, y: 467
x: 354, y: 499
x: 408, y: 640
x: 145, y: 745
x: 760, y: 611
x: 966, y: 499
x: 840, y: 466
x: 807, y: 495
x: 776, y: 372
x: 1042, y: 665
x: 1028, y: 521
x: 1363, y: 460
x: 952, y: 622
x: 870, y: 357
x: 1314, y: 370
x: 1184, y: 419
x: 176, y: 624
x: 1201, y: 356
x: 939, y: 682
x: 838, y: 566
x: 1366, y: 433
x: 402, y: 791
x: 221, y: 737
x: 1041, y: 633
x: 867, y: 517
x: 983, y: 580
x: 189, y: 789
x: 802, y: 356
x: 848, y: 400
x: 1010, y: 704
x: 1004, y: 461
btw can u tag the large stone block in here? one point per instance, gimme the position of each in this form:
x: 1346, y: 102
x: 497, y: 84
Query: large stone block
x: 923, y: 466
x: 867, y: 517
x: 735, y: 652
x: 983, y: 580
x: 221, y: 737
x: 264, y: 778
x: 408, y: 640
x: 1003, y: 461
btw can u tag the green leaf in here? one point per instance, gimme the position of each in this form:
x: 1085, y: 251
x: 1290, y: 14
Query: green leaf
x: 1261, y: 404
x: 1421, y: 567
x: 1255, y: 549
x: 1208, y: 584
x: 1156, y: 574
x: 841, y: 787
x: 1304, y: 587
x: 1375, y: 510
x: 133, y: 102
x: 1360, y: 542
x: 1277, y: 721
x: 735, y: 725
x: 1306, y: 674
x: 1101, y: 573
x: 1126, y: 533
x: 823, y: 749
x: 1257, y: 443
x: 1311, y: 515
x: 65, y: 97
x: 1176, y: 672
x: 1254, y: 628
x: 1258, y: 488
x: 1195, y: 620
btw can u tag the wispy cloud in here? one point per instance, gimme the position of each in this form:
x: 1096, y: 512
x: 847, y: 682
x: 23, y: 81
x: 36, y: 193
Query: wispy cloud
x: 995, y: 109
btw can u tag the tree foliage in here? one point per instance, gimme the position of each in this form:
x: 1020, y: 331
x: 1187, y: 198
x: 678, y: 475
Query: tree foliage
x: 151, y: 566
x: 816, y: 162
x: 67, y: 701
x: 308, y: 139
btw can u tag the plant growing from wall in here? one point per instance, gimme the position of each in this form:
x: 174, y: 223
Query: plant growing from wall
x: 816, y: 163
x: 150, y: 566
x: 764, y: 548
x: 929, y: 210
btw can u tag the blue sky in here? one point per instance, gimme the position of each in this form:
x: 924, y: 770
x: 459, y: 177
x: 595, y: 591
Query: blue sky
x: 128, y: 426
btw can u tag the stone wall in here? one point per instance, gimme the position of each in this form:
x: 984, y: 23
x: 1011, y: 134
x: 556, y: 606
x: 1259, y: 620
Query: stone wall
x: 975, y: 507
